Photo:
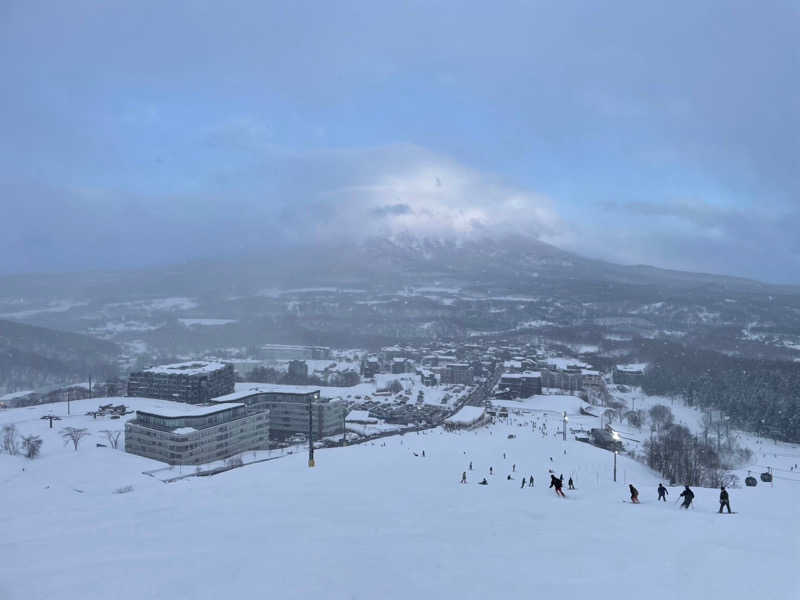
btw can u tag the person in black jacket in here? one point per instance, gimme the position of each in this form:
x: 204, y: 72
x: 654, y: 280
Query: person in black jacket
x: 530, y: 481
x: 634, y: 494
x: 556, y: 483
x: 662, y: 492
x: 688, y: 496
x: 724, y: 501
x: 570, y: 484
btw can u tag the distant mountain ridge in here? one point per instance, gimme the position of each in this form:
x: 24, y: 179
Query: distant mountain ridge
x: 508, y: 261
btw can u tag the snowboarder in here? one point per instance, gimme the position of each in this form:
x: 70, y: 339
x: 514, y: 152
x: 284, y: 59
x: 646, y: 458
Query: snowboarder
x: 556, y: 483
x: 530, y: 481
x: 570, y: 484
x: 483, y: 482
x: 662, y: 492
x: 464, y: 477
x: 634, y: 494
x: 724, y: 501
x: 688, y: 496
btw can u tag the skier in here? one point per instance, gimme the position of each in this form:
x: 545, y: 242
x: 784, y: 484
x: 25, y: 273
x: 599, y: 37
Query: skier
x: 634, y: 494
x: 523, y: 483
x: 530, y: 481
x: 423, y: 454
x: 724, y: 501
x: 464, y: 477
x: 514, y: 468
x: 662, y: 492
x: 688, y: 496
x: 470, y: 465
x: 570, y: 484
x: 561, y: 478
x: 556, y: 483
x: 483, y: 482
x: 490, y: 471
x: 504, y: 455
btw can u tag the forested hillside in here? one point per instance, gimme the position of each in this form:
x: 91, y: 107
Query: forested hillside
x: 758, y: 395
x: 32, y: 357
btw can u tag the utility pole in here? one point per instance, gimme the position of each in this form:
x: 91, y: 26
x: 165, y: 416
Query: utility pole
x: 67, y: 393
x: 310, y: 434
x: 615, y: 465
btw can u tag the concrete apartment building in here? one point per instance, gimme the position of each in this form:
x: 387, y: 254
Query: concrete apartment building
x: 520, y: 385
x: 458, y: 373
x: 186, y: 435
x: 298, y: 369
x: 288, y: 409
x: 194, y: 382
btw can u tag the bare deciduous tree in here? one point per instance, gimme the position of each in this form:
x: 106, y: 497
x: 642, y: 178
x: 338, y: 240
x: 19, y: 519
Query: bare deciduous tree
x: 31, y: 444
x: 661, y: 416
x: 74, y: 435
x: 113, y: 437
x: 10, y: 437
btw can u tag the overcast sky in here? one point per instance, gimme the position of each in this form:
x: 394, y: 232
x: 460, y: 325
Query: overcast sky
x: 140, y: 133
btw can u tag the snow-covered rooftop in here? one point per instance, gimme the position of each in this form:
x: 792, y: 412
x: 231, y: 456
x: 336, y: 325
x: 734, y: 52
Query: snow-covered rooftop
x: 189, y: 410
x: 237, y: 395
x: 466, y: 415
x: 360, y: 416
x: 277, y: 388
x: 632, y: 367
x: 194, y: 367
x: 184, y: 430
x: 524, y: 375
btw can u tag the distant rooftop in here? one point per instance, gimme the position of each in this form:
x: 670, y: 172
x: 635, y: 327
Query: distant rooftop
x: 525, y: 375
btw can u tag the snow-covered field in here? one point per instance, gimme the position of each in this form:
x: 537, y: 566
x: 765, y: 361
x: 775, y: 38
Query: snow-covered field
x: 380, y: 521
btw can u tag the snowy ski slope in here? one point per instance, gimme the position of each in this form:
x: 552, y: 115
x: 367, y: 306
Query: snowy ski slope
x: 376, y: 521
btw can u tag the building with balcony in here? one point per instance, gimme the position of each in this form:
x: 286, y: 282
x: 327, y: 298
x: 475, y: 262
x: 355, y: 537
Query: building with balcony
x: 194, y: 382
x: 186, y: 434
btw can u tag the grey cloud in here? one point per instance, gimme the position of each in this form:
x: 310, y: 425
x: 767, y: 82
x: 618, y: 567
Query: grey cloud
x: 392, y: 209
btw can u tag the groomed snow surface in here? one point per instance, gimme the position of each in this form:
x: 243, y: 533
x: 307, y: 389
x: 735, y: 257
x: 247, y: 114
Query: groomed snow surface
x: 379, y: 521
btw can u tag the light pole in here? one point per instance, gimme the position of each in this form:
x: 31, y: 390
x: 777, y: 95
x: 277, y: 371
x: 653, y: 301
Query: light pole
x: 615, y: 466
x: 310, y: 434
x: 565, y: 425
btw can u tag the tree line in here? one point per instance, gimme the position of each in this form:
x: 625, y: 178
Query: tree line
x: 756, y: 395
